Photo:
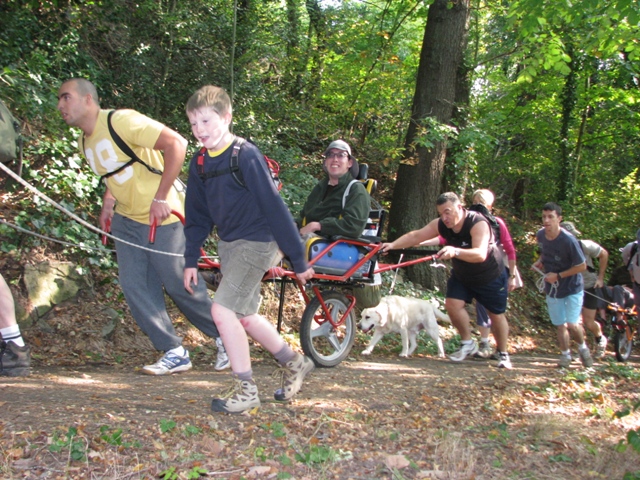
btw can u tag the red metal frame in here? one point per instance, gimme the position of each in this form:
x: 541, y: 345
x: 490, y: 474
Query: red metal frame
x: 346, y: 277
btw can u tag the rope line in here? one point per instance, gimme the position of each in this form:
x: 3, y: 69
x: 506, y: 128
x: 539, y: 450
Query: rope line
x: 44, y: 237
x: 540, y: 283
x: 78, y: 219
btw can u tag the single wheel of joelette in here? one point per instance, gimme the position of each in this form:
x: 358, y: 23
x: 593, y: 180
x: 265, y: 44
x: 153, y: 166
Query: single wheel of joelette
x: 623, y: 343
x: 327, y: 345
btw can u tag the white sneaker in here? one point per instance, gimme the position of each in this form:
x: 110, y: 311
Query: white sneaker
x: 505, y: 361
x: 242, y: 396
x: 585, y: 357
x: 464, y: 351
x: 168, y: 364
x: 222, y: 360
x: 601, y: 348
x: 564, y: 361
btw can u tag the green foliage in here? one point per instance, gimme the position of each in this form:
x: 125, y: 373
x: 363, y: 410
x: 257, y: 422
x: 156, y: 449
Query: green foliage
x: 191, y: 430
x: 114, y: 438
x: 276, y: 428
x: 432, y: 131
x: 64, y: 176
x: 320, y: 454
x: 77, y: 446
x: 167, y: 425
x: 633, y: 436
x: 304, y: 77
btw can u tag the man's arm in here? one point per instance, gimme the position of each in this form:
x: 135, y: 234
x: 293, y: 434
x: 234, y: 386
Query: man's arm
x: 430, y: 230
x: 603, y: 260
x: 553, y: 277
x: 174, y: 148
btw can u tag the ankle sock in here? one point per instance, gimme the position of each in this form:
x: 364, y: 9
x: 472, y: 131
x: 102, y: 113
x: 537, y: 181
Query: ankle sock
x: 566, y: 353
x: 244, y: 376
x: 484, y: 340
x: 285, y: 355
x: 12, y: 334
x: 180, y: 351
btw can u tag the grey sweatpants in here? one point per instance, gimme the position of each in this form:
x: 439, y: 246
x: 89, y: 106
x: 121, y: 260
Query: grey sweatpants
x: 143, y: 275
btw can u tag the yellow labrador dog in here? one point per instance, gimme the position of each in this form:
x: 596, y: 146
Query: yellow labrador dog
x: 406, y: 316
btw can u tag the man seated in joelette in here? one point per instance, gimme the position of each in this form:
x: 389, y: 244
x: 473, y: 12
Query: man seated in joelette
x: 326, y: 212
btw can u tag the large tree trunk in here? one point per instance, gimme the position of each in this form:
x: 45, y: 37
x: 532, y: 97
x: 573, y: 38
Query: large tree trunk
x: 420, y: 174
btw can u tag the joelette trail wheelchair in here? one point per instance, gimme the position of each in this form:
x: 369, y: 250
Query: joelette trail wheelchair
x: 347, y: 272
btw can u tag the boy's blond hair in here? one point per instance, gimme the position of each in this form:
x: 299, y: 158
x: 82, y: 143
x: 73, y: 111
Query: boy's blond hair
x: 484, y: 197
x: 210, y: 96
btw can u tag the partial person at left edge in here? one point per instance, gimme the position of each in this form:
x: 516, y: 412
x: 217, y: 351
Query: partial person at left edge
x: 15, y: 355
x: 139, y: 193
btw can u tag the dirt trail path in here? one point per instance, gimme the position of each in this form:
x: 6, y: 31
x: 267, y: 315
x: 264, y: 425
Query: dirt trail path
x: 419, y: 418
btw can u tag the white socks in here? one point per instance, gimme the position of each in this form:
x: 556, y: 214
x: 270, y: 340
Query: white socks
x: 12, y: 334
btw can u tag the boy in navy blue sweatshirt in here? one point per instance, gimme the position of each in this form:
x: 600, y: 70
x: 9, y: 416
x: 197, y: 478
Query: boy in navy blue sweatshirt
x: 252, y: 222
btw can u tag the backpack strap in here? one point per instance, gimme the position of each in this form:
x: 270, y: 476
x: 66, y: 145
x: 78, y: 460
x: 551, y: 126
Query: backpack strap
x: 126, y: 149
x: 233, y: 168
x: 634, y: 250
x: 346, y: 192
x: 493, y: 223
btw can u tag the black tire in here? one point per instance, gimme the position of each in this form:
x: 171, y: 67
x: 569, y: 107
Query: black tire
x: 622, y: 345
x: 325, y: 345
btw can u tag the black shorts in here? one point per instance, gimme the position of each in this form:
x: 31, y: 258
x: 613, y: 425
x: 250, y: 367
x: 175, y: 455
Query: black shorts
x: 589, y: 300
x: 492, y: 296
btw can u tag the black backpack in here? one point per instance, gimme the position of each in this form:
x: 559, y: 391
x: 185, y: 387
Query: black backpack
x: 484, y: 211
x: 234, y: 168
x: 10, y: 140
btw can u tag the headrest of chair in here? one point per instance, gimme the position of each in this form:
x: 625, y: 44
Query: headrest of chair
x: 364, y: 172
x: 355, y: 169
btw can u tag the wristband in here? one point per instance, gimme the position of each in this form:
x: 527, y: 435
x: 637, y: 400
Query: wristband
x: 512, y: 276
x: 160, y: 201
x: 559, y: 276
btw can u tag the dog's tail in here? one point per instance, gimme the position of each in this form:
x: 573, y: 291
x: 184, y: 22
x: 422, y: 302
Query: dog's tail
x: 443, y: 317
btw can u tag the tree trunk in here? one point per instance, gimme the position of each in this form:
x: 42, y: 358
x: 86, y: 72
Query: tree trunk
x: 420, y: 174
x: 569, y: 98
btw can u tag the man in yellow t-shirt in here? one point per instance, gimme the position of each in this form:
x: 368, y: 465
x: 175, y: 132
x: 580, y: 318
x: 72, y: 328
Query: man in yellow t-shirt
x: 135, y: 198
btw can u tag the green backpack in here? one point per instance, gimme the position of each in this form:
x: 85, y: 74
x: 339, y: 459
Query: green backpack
x: 9, y: 135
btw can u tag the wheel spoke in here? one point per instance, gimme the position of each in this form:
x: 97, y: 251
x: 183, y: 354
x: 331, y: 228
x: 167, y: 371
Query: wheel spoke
x: 334, y: 341
x: 323, y: 330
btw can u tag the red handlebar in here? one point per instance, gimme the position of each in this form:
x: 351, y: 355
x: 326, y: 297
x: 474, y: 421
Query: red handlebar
x: 152, y: 232
x: 153, y: 227
x: 105, y: 239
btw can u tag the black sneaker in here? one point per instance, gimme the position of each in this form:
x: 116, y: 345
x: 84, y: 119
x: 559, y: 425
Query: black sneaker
x: 212, y: 277
x: 15, y: 361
